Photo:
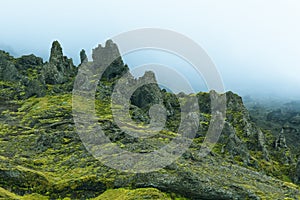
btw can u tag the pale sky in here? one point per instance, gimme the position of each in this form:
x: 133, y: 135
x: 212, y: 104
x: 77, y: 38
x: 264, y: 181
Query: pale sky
x: 254, y: 44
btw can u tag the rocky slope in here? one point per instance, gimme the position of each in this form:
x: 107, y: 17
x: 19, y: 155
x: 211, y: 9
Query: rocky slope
x: 42, y: 156
x: 282, y: 121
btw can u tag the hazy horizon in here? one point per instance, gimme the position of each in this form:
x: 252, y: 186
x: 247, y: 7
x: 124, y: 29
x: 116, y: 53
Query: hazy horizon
x: 255, y: 45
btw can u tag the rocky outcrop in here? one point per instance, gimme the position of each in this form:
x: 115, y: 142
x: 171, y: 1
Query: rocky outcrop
x: 23, y: 75
x: 287, y: 117
x: 240, y: 136
x: 29, y: 62
x: 8, y: 70
x: 234, y: 145
x: 60, y: 69
x: 109, y: 61
x: 280, y: 141
x: 148, y: 94
x: 28, y: 75
x: 282, y: 151
x: 263, y: 145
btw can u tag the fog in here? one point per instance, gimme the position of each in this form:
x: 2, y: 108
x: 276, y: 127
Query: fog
x: 254, y: 44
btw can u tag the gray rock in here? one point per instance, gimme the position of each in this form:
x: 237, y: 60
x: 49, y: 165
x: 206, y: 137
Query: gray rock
x: 8, y: 71
x: 108, y: 62
x: 59, y: 69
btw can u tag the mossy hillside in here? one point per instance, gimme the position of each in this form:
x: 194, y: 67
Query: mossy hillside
x: 115, y: 194
x: 45, y: 139
x: 41, y: 153
x: 50, y: 119
x: 53, y: 151
x: 11, y: 91
x: 245, y: 144
x: 136, y: 194
x: 4, y: 194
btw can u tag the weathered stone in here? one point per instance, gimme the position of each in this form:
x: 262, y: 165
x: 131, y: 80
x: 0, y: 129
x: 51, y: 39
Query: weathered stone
x: 147, y: 94
x: 282, y: 150
x: 280, y: 141
x: 8, y: 71
x: 108, y: 60
x: 59, y: 69
x: 56, y: 55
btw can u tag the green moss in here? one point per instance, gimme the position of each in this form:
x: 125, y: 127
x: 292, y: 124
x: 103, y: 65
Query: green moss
x: 5, y: 194
x: 34, y: 196
x: 46, y: 110
x: 136, y: 194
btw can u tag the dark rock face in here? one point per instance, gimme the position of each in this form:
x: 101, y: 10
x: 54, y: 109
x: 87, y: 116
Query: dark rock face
x: 148, y: 94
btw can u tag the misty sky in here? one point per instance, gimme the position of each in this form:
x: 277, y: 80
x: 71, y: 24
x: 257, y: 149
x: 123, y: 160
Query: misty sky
x: 255, y: 44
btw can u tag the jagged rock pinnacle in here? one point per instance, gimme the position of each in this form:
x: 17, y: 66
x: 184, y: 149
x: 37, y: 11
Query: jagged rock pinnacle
x: 280, y: 141
x: 56, y: 55
x: 60, y: 68
x: 105, y: 55
x: 109, y: 60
